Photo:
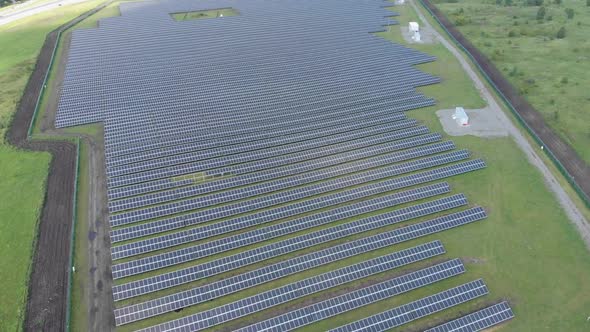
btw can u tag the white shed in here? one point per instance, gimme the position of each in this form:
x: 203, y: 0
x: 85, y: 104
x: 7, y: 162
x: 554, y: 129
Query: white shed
x: 461, y: 117
x: 414, y: 27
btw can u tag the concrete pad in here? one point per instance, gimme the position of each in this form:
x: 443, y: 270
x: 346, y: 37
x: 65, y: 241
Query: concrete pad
x: 482, y: 123
x: 427, y: 36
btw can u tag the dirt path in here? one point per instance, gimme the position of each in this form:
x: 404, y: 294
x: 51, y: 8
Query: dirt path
x: 50, y: 273
x: 531, y: 152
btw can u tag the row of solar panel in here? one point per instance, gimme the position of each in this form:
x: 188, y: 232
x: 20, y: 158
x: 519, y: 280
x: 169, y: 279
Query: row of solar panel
x: 322, y: 282
x: 418, y: 309
x: 170, y: 135
x: 356, y: 299
x: 280, y: 229
x: 282, y: 212
x: 168, y: 224
x: 212, y: 158
x: 283, y: 247
x: 259, y: 130
x: 283, y: 197
x: 189, y: 298
x: 269, y: 201
x: 202, y: 140
x: 130, y: 106
x: 237, y: 144
x: 375, y: 109
x: 354, y: 156
x: 178, y: 170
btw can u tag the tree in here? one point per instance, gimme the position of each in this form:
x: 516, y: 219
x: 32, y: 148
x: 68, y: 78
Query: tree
x: 541, y: 13
x: 570, y: 13
x: 561, y: 33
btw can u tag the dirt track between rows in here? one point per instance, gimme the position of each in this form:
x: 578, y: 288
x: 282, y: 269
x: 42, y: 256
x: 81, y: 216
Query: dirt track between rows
x: 48, y: 285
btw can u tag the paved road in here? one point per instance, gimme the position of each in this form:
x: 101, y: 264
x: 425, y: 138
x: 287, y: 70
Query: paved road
x: 572, y: 211
x: 36, y: 9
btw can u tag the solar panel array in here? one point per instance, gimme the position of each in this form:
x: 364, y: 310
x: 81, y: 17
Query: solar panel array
x: 479, y: 320
x: 409, y: 312
x: 246, y: 149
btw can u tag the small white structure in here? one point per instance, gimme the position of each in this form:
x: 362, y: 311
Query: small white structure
x: 416, y: 36
x: 461, y: 117
x: 414, y: 30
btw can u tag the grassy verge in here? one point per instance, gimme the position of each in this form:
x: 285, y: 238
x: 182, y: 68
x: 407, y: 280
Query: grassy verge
x: 22, y: 186
x: 202, y: 14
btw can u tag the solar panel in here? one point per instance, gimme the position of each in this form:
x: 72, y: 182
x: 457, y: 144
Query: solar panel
x: 418, y: 309
x: 206, y: 293
x: 308, y: 221
x: 356, y: 299
x: 479, y: 320
x: 264, y: 300
x: 244, y: 258
x: 278, y: 198
x: 298, y: 242
x: 389, y: 152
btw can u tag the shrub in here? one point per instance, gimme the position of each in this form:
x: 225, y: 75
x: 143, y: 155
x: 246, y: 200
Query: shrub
x: 564, y: 80
x: 511, y: 34
x: 570, y: 13
x: 509, y: 3
x: 541, y: 13
x: 561, y: 33
x: 549, y: 18
x: 557, y: 2
x: 588, y: 3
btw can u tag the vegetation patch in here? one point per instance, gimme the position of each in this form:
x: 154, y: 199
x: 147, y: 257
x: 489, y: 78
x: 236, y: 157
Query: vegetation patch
x: 543, y: 48
x: 202, y: 14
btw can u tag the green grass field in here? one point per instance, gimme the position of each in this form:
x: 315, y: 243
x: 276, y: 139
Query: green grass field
x: 550, y: 72
x: 22, y: 174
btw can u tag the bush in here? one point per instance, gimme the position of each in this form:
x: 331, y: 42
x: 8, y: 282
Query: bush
x: 511, y: 34
x: 509, y: 3
x: 549, y: 18
x: 557, y: 2
x: 588, y: 3
x: 541, y: 13
x: 564, y: 80
x: 570, y: 13
x: 561, y: 33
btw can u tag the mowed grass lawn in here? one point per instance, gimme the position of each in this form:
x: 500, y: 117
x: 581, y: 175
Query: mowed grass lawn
x: 551, y: 73
x: 22, y: 174
x: 22, y: 188
x: 526, y: 251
